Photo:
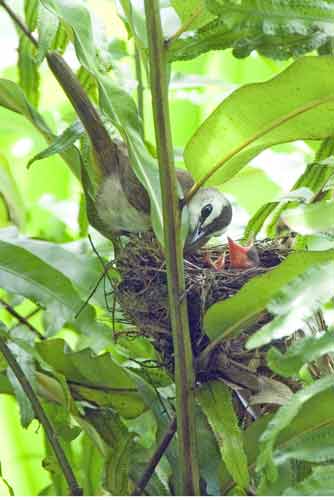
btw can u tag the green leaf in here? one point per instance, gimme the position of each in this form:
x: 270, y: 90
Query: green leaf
x: 216, y: 401
x: 256, y: 222
x: 293, y: 105
x: 310, y: 219
x: 23, y: 273
x: 12, y: 98
x: 231, y: 315
x: 209, y: 456
x: 314, y: 178
x: 275, y: 28
x: 31, y: 8
x: 301, y: 352
x: 11, y: 194
x: 91, y: 464
x: 315, y: 446
x: 84, y: 271
x: 162, y: 411
x: 319, y: 483
x: 99, y: 379
x: 281, y: 420
x: 48, y: 25
x: 316, y: 413
x: 193, y: 13
x: 63, y: 142
x: 29, y: 78
x: 295, y: 303
x: 135, y: 20
x: 88, y: 83
x: 61, y: 39
x: 120, y: 443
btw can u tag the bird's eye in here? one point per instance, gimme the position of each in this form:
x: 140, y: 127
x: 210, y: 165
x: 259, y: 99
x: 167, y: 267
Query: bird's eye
x: 206, y: 211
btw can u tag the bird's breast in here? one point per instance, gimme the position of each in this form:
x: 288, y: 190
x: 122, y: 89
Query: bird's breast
x: 116, y: 212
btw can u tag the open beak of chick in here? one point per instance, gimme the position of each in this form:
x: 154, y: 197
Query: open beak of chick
x: 242, y: 257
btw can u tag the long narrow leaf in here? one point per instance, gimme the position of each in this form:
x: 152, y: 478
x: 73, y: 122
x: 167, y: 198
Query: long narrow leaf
x: 216, y: 402
x: 281, y: 420
x: 301, y: 352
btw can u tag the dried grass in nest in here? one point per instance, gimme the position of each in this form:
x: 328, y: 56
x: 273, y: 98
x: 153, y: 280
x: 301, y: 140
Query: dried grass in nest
x: 142, y: 292
x: 142, y: 295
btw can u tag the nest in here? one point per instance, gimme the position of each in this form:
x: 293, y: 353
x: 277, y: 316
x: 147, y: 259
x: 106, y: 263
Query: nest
x: 142, y: 292
x: 143, y: 297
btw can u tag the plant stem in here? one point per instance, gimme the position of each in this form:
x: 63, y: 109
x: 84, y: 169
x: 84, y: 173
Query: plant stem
x: 21, y: 319
x: 184, y: 372
x: 74, y: 488
x: 19, y: 22
x: 155, y: 459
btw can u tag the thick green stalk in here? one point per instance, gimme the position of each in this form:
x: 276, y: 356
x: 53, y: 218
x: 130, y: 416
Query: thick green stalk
x: 184, y: 372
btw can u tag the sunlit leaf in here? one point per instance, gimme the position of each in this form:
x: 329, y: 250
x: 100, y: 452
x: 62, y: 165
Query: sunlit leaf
x: 313, y: 178
x: 276, y: 29
x: 23, y: 273
x: 310, y: 219
x: 317, y: 413
x: 48, y: 25
x: 193, y: 13
x: 29, y: 78
x: 290, y: 106
x: 12, y: 97
x: 63, y: 142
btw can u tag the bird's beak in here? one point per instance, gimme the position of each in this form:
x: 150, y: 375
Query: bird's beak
x: 196, y: 238
x: 242, y: 257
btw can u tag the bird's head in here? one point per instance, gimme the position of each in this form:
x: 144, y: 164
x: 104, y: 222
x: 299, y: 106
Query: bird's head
x: 210, y: 212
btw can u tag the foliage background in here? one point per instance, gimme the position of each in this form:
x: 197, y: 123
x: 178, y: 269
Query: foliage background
x: 50, y: 195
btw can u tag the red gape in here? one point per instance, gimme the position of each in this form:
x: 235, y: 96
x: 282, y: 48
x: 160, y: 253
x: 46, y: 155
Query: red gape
x: 242, y: 257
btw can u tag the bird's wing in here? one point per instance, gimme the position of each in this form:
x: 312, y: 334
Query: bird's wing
x: 133, y: 190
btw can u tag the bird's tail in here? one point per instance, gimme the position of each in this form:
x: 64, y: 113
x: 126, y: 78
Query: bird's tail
x: 105, y: 149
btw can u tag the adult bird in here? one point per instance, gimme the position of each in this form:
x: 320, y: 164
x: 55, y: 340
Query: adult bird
x: 122, y: 205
